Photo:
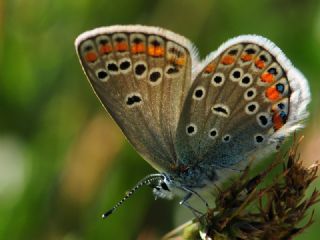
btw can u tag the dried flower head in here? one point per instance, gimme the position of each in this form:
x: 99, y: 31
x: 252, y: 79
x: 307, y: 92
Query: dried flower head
x: 245, y: 210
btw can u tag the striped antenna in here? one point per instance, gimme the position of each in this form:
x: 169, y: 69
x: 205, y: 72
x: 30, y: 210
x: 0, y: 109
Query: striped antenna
x: 148, y: 180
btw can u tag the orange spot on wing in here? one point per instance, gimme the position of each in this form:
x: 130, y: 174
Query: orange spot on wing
x: 107, y: 48
x: 272, y: 94
x: 138, y: 48
x: 260, y: 64
x: 246, y: 57
x: 210, y: 68
x: 177, y: 61
x: 180, y: 61
x: 151, y: 50
x: 91, y: 57
x: 156, y: 51
x: 159, y: 51
x: 267, y: 77
x: 277, y: 121
x: 227, y: 60
x: 121, y: 46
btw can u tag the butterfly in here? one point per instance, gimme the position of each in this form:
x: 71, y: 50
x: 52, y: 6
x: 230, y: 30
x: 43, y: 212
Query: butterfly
x: 193, y: 120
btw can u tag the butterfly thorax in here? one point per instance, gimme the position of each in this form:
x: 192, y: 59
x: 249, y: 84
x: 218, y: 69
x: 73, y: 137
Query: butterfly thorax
x: 185, y: 178
x: 196, y: 176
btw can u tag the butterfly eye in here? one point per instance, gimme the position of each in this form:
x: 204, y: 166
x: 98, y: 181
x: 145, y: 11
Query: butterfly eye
x: 165, y: 186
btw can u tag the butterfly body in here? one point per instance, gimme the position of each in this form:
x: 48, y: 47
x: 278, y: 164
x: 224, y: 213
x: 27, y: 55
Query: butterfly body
x: 193, y: 121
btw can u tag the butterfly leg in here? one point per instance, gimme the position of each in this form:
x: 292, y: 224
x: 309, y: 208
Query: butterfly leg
x: 197, y: 194
x: 185, y: 203
x: 185, y: 198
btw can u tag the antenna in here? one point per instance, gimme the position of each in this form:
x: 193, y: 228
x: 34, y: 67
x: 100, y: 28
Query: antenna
x: 145, y: 181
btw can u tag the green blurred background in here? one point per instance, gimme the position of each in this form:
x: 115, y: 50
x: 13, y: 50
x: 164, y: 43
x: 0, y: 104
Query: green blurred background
x: 63, y: 162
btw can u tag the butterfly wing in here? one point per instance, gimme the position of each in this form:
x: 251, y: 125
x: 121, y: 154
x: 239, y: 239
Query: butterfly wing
x: 141, y: 75
x: 245, y: 96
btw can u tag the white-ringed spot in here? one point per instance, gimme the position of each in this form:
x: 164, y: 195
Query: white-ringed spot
x: 218, y: 79
x: 172, y: 71
x: 246, y: 80
x: 199, y: 93
x: 191, y: 129
x: 258, y: 138
x: 236, y: 74
x: 155, y: 76
x: 221, y: 110
x: 125, y: 65
x: 133, y: 99
x: 112, y: 67
x: 213, y: 133
x: 102, y: 75
x: 250, y: 94
x: 226, y: 138
x: 140, y: 69
x: 251, y: 108
x: 264, y: 119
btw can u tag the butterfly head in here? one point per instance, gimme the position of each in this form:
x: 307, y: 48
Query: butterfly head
x: 164, y: 188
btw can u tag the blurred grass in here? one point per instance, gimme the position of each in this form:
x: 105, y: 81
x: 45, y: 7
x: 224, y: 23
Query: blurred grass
x: 62, y: 160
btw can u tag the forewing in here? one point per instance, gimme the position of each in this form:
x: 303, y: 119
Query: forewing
x: 141, y: 75
x: 245, y: 97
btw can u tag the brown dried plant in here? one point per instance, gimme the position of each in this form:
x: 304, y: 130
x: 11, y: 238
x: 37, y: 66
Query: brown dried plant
x: 246, y: 210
